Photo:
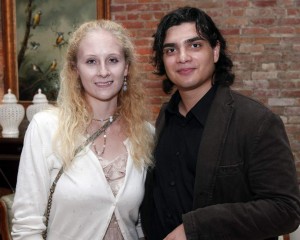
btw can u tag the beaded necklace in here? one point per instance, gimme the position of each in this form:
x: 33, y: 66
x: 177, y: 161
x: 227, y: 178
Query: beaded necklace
x: 100, y: 153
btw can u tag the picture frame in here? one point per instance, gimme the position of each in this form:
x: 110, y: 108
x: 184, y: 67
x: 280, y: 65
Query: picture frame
x: 9, y: 22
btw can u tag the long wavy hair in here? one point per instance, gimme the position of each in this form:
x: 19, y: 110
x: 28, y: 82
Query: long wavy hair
x: 75, y: 113
x: 206, y: 29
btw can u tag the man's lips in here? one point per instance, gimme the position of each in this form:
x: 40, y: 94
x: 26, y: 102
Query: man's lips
x: 185, y: 71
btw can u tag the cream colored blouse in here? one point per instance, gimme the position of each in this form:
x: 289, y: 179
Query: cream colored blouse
x: 114, y: 171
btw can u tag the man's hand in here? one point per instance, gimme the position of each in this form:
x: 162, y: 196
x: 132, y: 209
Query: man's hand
x: 177, y: 234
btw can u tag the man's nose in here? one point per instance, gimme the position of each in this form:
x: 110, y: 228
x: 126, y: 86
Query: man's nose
x: 183, y: 56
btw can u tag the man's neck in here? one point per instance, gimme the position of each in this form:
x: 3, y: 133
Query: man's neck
x: 190, y: 98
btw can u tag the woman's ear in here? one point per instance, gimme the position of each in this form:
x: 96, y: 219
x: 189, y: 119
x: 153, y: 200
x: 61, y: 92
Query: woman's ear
x: 74, y: 67
x: 126, y: 70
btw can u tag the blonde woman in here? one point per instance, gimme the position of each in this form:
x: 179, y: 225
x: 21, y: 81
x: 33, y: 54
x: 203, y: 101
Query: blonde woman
x: 101, y: 186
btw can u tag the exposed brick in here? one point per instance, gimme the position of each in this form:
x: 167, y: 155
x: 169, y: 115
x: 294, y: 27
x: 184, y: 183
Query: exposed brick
x: 264, y: 3
x: 290, y: 21
x: 291, y: 93
x: 235, y: 21
x: 268, y: 66
x: 264, y: 75
x: 292, y: 111
x: 249, y: 48
x: 266, y: 40
x: 243, y: 4
x: 133, y: 24
x: 275, y: 31
x: 255, y: 30
x: 281, y: 102
x: 294, y: 119
x: 238, y: 12
x: 263, y: 21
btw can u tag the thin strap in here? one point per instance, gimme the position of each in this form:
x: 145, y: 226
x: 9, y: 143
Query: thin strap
x: 49, y: 203
x: 53, y: 186
x: 95, y: 135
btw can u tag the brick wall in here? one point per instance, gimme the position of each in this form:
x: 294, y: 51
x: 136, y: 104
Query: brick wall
x: 263, y: 38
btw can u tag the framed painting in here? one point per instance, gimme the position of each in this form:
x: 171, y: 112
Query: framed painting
x: 35, y: 36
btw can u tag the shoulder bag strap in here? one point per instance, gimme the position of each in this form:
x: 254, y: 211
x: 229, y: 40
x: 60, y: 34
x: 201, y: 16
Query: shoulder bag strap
x: 53, y: 186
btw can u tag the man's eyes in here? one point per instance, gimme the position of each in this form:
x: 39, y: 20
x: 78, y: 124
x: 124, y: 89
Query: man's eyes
x: 172, y: 50
x: 195, y: 45
x: 169, y: 50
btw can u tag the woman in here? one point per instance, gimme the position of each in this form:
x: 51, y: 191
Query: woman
x: 102, y: 185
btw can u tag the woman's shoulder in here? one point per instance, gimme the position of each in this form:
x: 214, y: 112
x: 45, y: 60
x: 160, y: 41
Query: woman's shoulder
x: 43, y: 125
x: 49, y: 115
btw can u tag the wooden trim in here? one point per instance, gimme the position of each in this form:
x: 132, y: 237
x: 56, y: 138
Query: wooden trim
x: 9, y: 48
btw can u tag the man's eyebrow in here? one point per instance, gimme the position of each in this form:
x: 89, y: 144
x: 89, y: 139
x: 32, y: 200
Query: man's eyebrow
x: 190, y: 40
x: 169, y: 45
x: 193, y: 39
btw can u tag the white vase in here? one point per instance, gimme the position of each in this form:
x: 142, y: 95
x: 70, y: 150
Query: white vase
x: 40, y: 103
x: 295, y: 235
x: 11, y: 115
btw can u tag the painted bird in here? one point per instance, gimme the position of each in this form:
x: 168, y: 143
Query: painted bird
x: 36, y: 68
x: 53, y: 65
x: 60, y: 39
x: 34, y: 45
x: 36, y: 19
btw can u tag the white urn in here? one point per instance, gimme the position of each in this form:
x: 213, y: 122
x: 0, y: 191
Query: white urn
x: 11, y: 115
x: 40, y: 103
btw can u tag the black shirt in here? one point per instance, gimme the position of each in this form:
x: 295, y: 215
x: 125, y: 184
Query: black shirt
x: 176, y: 158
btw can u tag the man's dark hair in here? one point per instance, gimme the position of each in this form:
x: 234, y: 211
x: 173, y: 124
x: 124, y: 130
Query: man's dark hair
x: 206, y: 29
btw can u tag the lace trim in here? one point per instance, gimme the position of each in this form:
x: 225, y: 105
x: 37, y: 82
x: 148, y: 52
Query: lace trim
x: 114, y: 171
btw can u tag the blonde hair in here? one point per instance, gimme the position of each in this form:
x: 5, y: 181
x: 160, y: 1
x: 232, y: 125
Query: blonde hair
x: 75, y: 113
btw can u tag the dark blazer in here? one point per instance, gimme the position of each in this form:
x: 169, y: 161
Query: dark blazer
x: 246, y: 184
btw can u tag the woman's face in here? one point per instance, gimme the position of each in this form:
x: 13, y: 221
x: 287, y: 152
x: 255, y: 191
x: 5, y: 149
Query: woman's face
x: 101, y: 66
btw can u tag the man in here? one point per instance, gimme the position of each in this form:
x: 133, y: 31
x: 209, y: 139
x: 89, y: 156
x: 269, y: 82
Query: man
x: 223, y: 164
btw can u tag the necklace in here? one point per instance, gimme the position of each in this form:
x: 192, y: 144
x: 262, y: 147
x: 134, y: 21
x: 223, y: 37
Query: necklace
x: 110, y: 118
x: 100, y: 153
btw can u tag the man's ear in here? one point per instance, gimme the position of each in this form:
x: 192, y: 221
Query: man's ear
x: 216, y: 51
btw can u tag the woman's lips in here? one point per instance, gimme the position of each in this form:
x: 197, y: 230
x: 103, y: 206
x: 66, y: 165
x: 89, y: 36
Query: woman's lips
x: 104, y: 84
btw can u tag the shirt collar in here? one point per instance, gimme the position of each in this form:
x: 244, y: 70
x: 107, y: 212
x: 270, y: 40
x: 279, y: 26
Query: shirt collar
x: 199, y: 111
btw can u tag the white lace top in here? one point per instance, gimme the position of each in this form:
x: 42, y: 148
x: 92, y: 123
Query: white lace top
x: 114, y: 171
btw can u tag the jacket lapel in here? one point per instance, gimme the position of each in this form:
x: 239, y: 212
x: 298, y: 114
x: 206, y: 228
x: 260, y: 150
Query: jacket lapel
x: 212, y: 143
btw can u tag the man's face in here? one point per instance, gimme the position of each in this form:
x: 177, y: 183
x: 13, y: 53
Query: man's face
x: 189, y: 59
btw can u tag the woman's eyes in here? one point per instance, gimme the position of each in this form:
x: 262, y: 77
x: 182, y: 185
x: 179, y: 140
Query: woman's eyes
x: 113, y: 60
x: 109, y: 60
x: 91, y: 61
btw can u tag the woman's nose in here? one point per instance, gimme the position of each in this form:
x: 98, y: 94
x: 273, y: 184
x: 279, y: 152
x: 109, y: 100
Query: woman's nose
x: 102, y: 70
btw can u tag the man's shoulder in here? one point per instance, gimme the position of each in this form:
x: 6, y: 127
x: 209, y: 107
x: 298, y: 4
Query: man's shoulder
x: 250, y: 108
